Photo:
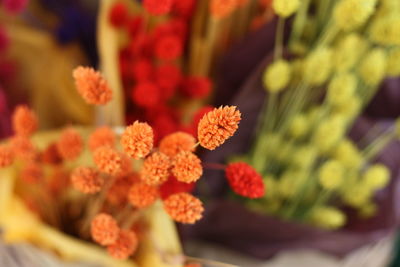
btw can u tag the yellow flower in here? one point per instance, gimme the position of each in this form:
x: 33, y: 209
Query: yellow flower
x: 328, y: 133
x: 348, y: 51
x: 393, y: 62
x: 385, y: 30
x: 318, y: 66
x: 351, y: 14
x: 341, y: 88
x: 298, y: 126
x: 356, y: 195
x: 285, y: 8
x: 271, y: 185
x: 327, y: 217
x: 277, y: 76
x: 373, y: 66
x: 349, y: 109
x: 290, y: 183
x: 377, y: 176
x: 330, y: 174
x: 304, y: 157
x: 348, y: 154
x: 368, y: 210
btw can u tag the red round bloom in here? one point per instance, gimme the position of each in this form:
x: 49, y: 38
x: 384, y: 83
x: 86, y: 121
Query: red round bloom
x: 146, y: 95
x: 125, y: 245
x: 168, y: 78
x: 142, y: 69
x: 173, y: 186
x: 163, y: 125
x: 196, y: 87
x: 4, y: 40
x: 168, y: 47
x: 118, y: 15
x: 184, y: 8
x: 158, y: 7
x: 134, y: 25
x: 244, y: 180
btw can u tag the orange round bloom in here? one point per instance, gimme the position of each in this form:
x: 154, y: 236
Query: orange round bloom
x: 102, y: 136
x: 155, y: 169
x: 70, y: 144
x: 51, y: 155
x: 104, y: 229
x: 177, y: 142
x: 23, y: 148
x: 222, y: 8
x: 184, y: 208
x: 137, y: 140
x: 119, y: 191
x: 142, y: 195
x: 24, y: 121
x: 92, y: 86
x: 6, y: 156
x: 126, y: 165
x: 187, y: 167
x: 86, y: 180
x: 218, y: 125
x: 31, y: 173
x: 125, y: 245
x: 107, y: 160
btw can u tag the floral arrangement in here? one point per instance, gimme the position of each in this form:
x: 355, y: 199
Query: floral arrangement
x: 332, y: 66
x: 103, y: 192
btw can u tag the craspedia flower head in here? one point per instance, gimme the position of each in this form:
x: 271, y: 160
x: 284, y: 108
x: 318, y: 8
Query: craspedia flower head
x: 155, y: 169
x: 86, y: 180
x: 357, y: 195
x: 277, y: 76
x: 328, y: 133
x: 174, y: 143
x: 348, y: 154
x: 102, y: 136
x: 349, y: 108
x: 23, y: 148
x: 373, y: 66
x: 158, y: 7
x: 341, y: 88
x: 196, y: 87
x: 285, y: 8
x: 304, y: 156
x: 327, y: 217
x: 217, y: 126
x: 187, y: 167
x: 318, y: 66
x: 104, y: 229
x: 92, y: 86
x: 348, y: 51
x: 222, y: 8
x: 125, y: 245
x: 377, y: 176
x: 6, y: 156
x: 142, y: 69
x: 299, y: 126
x: 168, y: 78
x: 32, y: 173
x: 107, y: 160
x: 330, y: 174
x: 24, y: 121
x: 244, y: 180
x: 137, y: 140
x: 146, y: 94
x: 393, y: 62
x: 385, y: 30
x: 142, y: 195
x: 168, y: 47
x: 70, y: 144
x: 352, y: 14
x: 184, y: 208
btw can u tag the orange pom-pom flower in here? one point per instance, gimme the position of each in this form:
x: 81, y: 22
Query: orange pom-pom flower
x: 187, y: 167
x: 91, y: 85
x: 70, y: 144
x: 217, y: 126
x: 23, y: 148
x: 104, y: 229
x: 184, y: 208
x: 244, y: 180
x: 155, y: 169
x: 107, y: 160
x: 222, y: 8
x: 142, y: 195
x: 24, y: 121
x: 86, y: 180
x: 175, y: 143
x: 6, y: 156
x: 102, y: 136
x: 32, y: 173
x: 137, y: 140
x: 125, y: 245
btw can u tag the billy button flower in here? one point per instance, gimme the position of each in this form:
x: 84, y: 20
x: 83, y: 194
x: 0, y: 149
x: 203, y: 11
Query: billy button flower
x: 174, y: 143
x: 142, y: 195
x: 184, y: 208
x: 285, y: 8
x: 6, y: 156
x: 86, y: 180
x: 125, y: 245
x: 142, y: 69
x: 146, y: 94
x: 107, y: 160
x: 196, y: 87
x: 104, y: 229
x: 158, y: 7
x: 102, y: 136
x: 23, y: 148
x: 168, y: 47
x: 70, y: 144
x: 217, y: 126
x: 118, y: 15
x: 244, y: 180
x: 187, y: 167
x: 137, y: 140
x: 92, y: 86
x: 168, y: 78
x: 155, y: 169
x: 24, y: 121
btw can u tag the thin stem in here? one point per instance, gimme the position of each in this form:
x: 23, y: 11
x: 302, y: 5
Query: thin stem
x: 379, y: 144
x: 279, y: 38
x: 215, y: 166
x: 299, y: 22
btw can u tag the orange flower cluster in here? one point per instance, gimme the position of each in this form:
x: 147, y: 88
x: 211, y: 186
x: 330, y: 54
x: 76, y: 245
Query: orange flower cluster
x: 184, y: 208
x: 23, y: 148
x: 70, y: 144
x: 155, y: 170
x: 187, y: 167
x: 107, y: 160
x: 24, y: 121
x: 6, y: 156
x: 86, y: 180
x: 142, y: 195
x: 177, y: 142
x: 125, y: 245
x: 137, y: 140
x: 102, y: 136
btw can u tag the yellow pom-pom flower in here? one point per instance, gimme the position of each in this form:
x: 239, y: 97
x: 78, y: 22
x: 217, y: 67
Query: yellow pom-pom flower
x: 348, y: 154
x: 368, y: 210
x: 351, y: 14
x: 330, y: 174
x: 386, y: 30
x: 272, y: 186
x: 328, y: 133
x: 285, y: 8
x: 327, y: 217
x: 299, y: 126
x: 376, y: 177
x: 349, y: 108
x: 393, y: 62
x: 341, y: 88
x: 356, y: 195
x: 304, y: 157
x: 348, y: 51
x: 277, y: 76
x: 373, y: 66
x: 318, y: 66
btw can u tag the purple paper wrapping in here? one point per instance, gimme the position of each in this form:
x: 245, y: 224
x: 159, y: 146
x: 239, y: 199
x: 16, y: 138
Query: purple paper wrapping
x: 230, y: 224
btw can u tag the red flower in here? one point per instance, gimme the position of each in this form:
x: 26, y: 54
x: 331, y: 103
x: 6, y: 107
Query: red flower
x: 142, y: 69
x: 168, y: 47
x: 196, y: 87
x: 118, y: 15
x: 134, y: 25
x: 244, y: 180
x: 158, y: 7
x: 184, y: 8
x: 173, y: 186
x: 163, y: 125
x: 146, y: 95
x: 168, y: 78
